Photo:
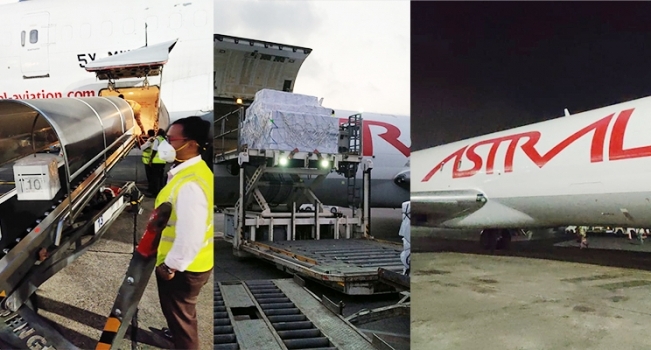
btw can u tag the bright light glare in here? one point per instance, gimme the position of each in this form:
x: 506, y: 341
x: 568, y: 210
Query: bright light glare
x: 282, y: 161
x: 325, y: 163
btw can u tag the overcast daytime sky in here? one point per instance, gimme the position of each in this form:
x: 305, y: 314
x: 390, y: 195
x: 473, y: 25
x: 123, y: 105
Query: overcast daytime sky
x: 360, y: 58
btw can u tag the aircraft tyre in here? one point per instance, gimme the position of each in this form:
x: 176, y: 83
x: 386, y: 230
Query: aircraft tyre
x: 504, y: 240
x: 488, y: 239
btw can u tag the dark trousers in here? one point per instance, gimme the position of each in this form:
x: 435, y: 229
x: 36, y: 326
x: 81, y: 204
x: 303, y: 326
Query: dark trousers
x: 158, y: 178
x: 150, y: 178
x: 178, y: 300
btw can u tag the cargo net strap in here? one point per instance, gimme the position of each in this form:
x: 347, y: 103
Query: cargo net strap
x: 287, y: 127
x: 287, y: 131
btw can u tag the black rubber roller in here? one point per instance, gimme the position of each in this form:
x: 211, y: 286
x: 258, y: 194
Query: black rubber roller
x: 306, y: 343
x: 277, y: 306
x: 303, y: 333
x: 221, y: 322
x: 287, y: 318
x: 272, y: 300
x: 274, y: 312
x: 227, y: 338
x: 223, y: 329
x: 288, y: 326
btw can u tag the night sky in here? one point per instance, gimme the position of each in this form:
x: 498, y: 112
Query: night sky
x: 484, y: 67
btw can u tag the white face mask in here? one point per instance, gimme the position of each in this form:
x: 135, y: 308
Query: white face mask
x: 166, y: 152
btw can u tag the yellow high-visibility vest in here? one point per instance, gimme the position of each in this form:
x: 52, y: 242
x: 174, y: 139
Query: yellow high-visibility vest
x: 146, y: 154
x: 201, y: 174
x: 135, y: 106
x: 157, y: 159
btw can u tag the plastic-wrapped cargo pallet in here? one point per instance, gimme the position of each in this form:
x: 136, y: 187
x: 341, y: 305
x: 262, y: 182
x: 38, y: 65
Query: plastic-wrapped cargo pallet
x: 278, y: 120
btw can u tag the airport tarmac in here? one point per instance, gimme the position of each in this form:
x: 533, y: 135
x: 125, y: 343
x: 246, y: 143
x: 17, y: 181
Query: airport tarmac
x: 543, y: 293
x: 465, y: 301
x: 79, y: 298
x: 385, y: 224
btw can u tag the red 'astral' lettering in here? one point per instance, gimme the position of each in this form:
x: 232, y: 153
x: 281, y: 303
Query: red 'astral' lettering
x: 391, y: 136
x: 599, y: 129
x: 616, y: 150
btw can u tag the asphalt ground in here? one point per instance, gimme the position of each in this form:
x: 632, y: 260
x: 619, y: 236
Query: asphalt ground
x: 78, y: 299
x: 542, y: 293
x: 385, y: 224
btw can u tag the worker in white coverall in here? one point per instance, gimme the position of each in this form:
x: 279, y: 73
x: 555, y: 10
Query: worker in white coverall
x: 583, y: 234
x: 405, y: 233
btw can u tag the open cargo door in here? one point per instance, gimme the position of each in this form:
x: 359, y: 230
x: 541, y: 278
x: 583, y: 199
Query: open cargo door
x: 138, y: 66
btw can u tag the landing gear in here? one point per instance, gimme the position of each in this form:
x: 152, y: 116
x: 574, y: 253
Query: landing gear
x: 504, y: 240
x: 492, y: 239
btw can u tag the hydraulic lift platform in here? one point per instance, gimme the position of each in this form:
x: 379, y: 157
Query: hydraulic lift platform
x: 332, y: 248
x: 347, y: 265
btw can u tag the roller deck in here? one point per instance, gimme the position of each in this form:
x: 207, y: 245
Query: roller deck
x: 348, y: 265
x: 279, y: 314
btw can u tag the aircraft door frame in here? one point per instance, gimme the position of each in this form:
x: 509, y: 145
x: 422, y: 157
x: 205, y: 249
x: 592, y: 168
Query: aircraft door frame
x: 34, y: 45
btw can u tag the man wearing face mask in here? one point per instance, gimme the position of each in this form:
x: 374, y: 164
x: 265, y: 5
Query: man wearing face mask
x: 185, y: 252
x: 157, y: 164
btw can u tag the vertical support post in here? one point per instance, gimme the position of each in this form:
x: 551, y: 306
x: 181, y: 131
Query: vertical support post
x: 239, y: 237
x: 271, y: 229
x: 317, y: 208
x: 366, y: 219
x: 336, y: 228
x: 239, y: 129
x: 292, y: 225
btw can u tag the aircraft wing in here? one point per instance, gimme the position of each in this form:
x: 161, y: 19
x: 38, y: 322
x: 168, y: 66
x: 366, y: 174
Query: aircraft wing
x: 435, y: 208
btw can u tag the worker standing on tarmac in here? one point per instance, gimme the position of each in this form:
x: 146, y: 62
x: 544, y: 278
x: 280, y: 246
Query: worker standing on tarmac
x: 184, y: 260
x: 158, y: 164
x: 146, y: 158
x: 135, y: 106
x: 583, y: 234
x: 405, y: 233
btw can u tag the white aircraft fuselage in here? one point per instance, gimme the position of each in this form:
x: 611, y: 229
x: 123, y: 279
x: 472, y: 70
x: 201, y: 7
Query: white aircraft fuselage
x: 590, y: 168
x: 45, y: 45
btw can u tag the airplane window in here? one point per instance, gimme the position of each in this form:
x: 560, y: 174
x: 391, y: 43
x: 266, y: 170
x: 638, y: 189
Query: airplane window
x: 33, y: 36
x: 22, y: 38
